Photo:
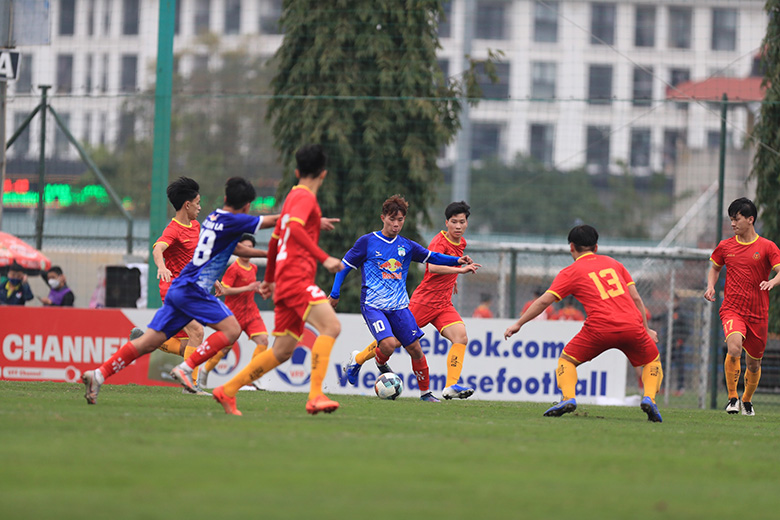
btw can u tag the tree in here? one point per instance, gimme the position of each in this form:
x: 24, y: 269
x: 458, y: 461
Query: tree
x: 766, y: 163
x: 361, y: 78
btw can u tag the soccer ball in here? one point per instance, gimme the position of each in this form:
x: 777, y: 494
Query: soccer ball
x: 388, y: 386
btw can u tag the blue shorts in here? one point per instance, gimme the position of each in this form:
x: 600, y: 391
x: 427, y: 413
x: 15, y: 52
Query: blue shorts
x: 384, y: 324
x: 185, y: 303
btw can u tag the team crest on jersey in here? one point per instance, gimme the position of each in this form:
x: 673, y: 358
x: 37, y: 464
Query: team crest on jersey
x: 401, y: 251
x: 756, y: 256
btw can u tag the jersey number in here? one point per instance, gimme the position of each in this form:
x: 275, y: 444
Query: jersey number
x: 282, y: 251
x: 611, y: 278
x: 205, y: 245
x: 379, y: 326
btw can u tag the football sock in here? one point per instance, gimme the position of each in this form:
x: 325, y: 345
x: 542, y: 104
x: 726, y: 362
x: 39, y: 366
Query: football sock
x: 172, y: 346
x: 258, y: 366
x: 731, y: 369
x: 259, y: 349
x: 207, y: 349
x: 420, y: 368
x: 320, y: 355
x: 381, y: 359
x: 751, y: 383
x: 211, y: 363
x: 366, y: 354
x: 121, y: 358
x: 567, y: 378
x: 652, y: 375
x: 455, y: 363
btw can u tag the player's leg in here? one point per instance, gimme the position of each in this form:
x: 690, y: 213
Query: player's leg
x: 323, y: 318
x: 566, y: 376
x: 456, y: 334
x: 173, y: 345
x: 261, y: 345
x: 754, y: 345
x: 227, y: 332
x: 732, y: 369
x: 421, y: 371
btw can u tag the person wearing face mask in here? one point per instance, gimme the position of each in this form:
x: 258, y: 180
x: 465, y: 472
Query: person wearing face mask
x: 14, y: 289
x: 60, y: 294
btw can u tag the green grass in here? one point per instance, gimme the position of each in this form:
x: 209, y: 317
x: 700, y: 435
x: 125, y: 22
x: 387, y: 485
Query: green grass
x: 151, y: 452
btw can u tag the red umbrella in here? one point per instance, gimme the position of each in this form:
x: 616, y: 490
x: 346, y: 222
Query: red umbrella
x: 13, y: 250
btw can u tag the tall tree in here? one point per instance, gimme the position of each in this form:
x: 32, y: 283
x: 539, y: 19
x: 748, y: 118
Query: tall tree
x: 361, y: 78
x: 766, y: 163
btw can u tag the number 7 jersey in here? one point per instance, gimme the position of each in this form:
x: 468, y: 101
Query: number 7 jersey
x: 600, y: 283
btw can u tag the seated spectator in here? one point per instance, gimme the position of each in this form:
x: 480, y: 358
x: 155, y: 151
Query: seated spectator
x: 60, y: 294
x: 483, y: 309
x: 569, y: 312
x: 548, y: 312
x: 14, y: 289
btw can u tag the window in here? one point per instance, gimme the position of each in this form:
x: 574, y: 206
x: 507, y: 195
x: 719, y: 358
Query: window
x: 444, y: 65
x: 597, y: 154
x: 67, y: 21
x: 202, y: 16
x: 445, y: 20
x: 724, y: 29
x: 600, y: 85
x: 491, y: 20
x: 64, y: 73
x: 177, y: 18
x: 678, y: 76
x: 21, y: 146
x: 680, y: 22
x: 485, y: 141
x: 104, y: 74
x: 602, y: 24
x: 107, y: 16
x: 126, y: 128
x: 91, y: 17
x: 88, y: 86
x: 61, y: 143
x: 671, y: 140
x: 232, y: 16
x: 546, y: 22
x: 645, y: 26
x: 269, y: 17
x: 543, y: 80
x: 713, y: 139
x: 643, y: 86
x: 129, y: 81
x: 87, y: 136
x: 541, y: 142
x: 24, y: 81
x: 640, y: 147
x: 130, y: 17
x: 490, y: 90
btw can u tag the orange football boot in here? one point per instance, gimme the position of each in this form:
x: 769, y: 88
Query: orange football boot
x: 227, y: 402
x: 321, y: 403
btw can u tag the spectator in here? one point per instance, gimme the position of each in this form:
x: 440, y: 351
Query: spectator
x: 60, y: 294
x: 483, y: 309
x: 14, y: 289
x: 569, y: 312
x: 681, y: 332
x: 547, y: 313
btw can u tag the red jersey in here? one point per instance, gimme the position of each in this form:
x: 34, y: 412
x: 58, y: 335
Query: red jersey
x: 435, y: 290
x: 181, y: 239
x: 295, y: 264
x: 600, y: 284
x: 242, y: 304
x: 747, y: 265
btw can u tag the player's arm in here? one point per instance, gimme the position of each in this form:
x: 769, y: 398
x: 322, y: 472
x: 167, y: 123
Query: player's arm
x: 446, y: 269
x: 163, y: 273
x: 298, y: 234
x: 251, y: 252
x: 327, y: 223
x: 712, y: 279
x: 768, y: 285
x: 535, y: 309
x: 226, y: 290
x: 268, y: 221
x: 632, y: 291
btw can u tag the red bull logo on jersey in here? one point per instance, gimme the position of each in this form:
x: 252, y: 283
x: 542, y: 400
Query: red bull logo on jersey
x: 394, y: 267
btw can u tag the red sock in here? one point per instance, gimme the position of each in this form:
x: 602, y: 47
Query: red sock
x: 420, y: 368
x: 208, y: 349
x: 381, y: 359
x: 121, y: 358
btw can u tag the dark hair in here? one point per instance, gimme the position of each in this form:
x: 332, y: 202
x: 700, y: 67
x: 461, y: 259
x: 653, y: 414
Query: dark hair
x: 485, y: 297
x: 238, y: 192
x: 181, y: 190
x: 310, y: 160
x: 395, y: 204
x: 744, y: 207
x: 250, y: 237
x: 584, y: 237
x: 55, y: 269
x: 15, y: 267
x: 456, y: 208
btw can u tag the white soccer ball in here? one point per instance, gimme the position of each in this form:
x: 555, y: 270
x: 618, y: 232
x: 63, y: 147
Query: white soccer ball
x: 388, y: 386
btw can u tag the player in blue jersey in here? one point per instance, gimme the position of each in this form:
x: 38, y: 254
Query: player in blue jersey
x: 189, y: 296
x: 384, y: 258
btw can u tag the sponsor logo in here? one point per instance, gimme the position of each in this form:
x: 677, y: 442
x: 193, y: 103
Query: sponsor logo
x: 394, y: 267
x: 298, y: 371
x: 229, y: 363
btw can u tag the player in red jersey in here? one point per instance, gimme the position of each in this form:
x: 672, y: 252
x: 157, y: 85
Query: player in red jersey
x: 744, y: 312
x: 293, y: 254
x: 431, y: 302
x: 616, y: 319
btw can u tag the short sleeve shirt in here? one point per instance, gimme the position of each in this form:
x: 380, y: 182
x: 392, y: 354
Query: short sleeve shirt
x: 236, y: 275
x: 435, y: 290
x: 181, y: 239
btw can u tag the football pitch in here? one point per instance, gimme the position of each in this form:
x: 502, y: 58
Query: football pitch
x: 151, y: 452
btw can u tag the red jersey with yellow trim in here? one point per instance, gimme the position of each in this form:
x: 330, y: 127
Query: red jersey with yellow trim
x: 435, y: 290
x: 747, y: 265
x: 236, y: 275
x: 600, y: 283
x: 182, y: 239
x: 295, y: 266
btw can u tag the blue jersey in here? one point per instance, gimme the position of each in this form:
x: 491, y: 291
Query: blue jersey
x: 384, y: 266
x: 219, y: 234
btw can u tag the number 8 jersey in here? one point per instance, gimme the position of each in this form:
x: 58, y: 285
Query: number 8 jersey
x: 600, y: 283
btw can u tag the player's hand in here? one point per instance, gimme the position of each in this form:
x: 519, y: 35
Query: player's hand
x: 219, y: 289
x: 255, y: 286
x: 326, y: 224
x: 465, y: 259
x: 653, y: 335
x: 511, y: 330
x: 266, y: 290
x: 470, y: 268
x: 709, y: 294
x: 333, y: 264
x: 767, y: 285
x: 333, y: 301
x: 164, y: 274
x: 44, y: 300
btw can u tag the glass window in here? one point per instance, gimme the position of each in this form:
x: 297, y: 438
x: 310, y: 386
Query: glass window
x: 202, y: 16
x: 67, y: 21
x: 543, y: 80
x: 91, y: 17
x: 600, y: 85
x: 542, y: 138
x: 597, y: 155
x: 88, y: 85
x: 271, y: 10
x: 680, y: 23
x: 61, y: 143
x: 640, y: 147
x: 445, y: 20
x: 444, y: 65
x: 672, y: 138
x: 677, y: 76
x: 130, y: 17
x: 645, y: 26
x: 490, y: 90
x: 485, y: 141
x: 23, y: 83
x: 602, y: 24
x: 107, y: 16
x: 232, y: 16
x: 491, y: 20
x: 64, y: 73
x: 21, y: 146
x: 87, y: 136
x: 643, y: 86
x: 129, y: 81
x: 546, y: 21
x: 126, y: 128
x: 724, y: 29
x: 104, y: 74
x: 177, y: 18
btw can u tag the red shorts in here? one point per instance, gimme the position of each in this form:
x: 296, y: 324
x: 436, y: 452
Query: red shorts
x: 753, y: 332
x: 440, y: 317
x: 252, y: 324
x: 635, y: 344
x: 164, y: 286
x: 290, y: 313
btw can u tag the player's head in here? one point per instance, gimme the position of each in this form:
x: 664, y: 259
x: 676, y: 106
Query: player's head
x: 745, y: 207
x: 185, y: 191
x: 310, y: 160
x: 584, y: 238
x: 393, y: 215
x: 457, y: 215
x: 239, y: 193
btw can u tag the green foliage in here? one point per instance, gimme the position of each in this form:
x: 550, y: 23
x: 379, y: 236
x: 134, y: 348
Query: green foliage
x: 766, y: 163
